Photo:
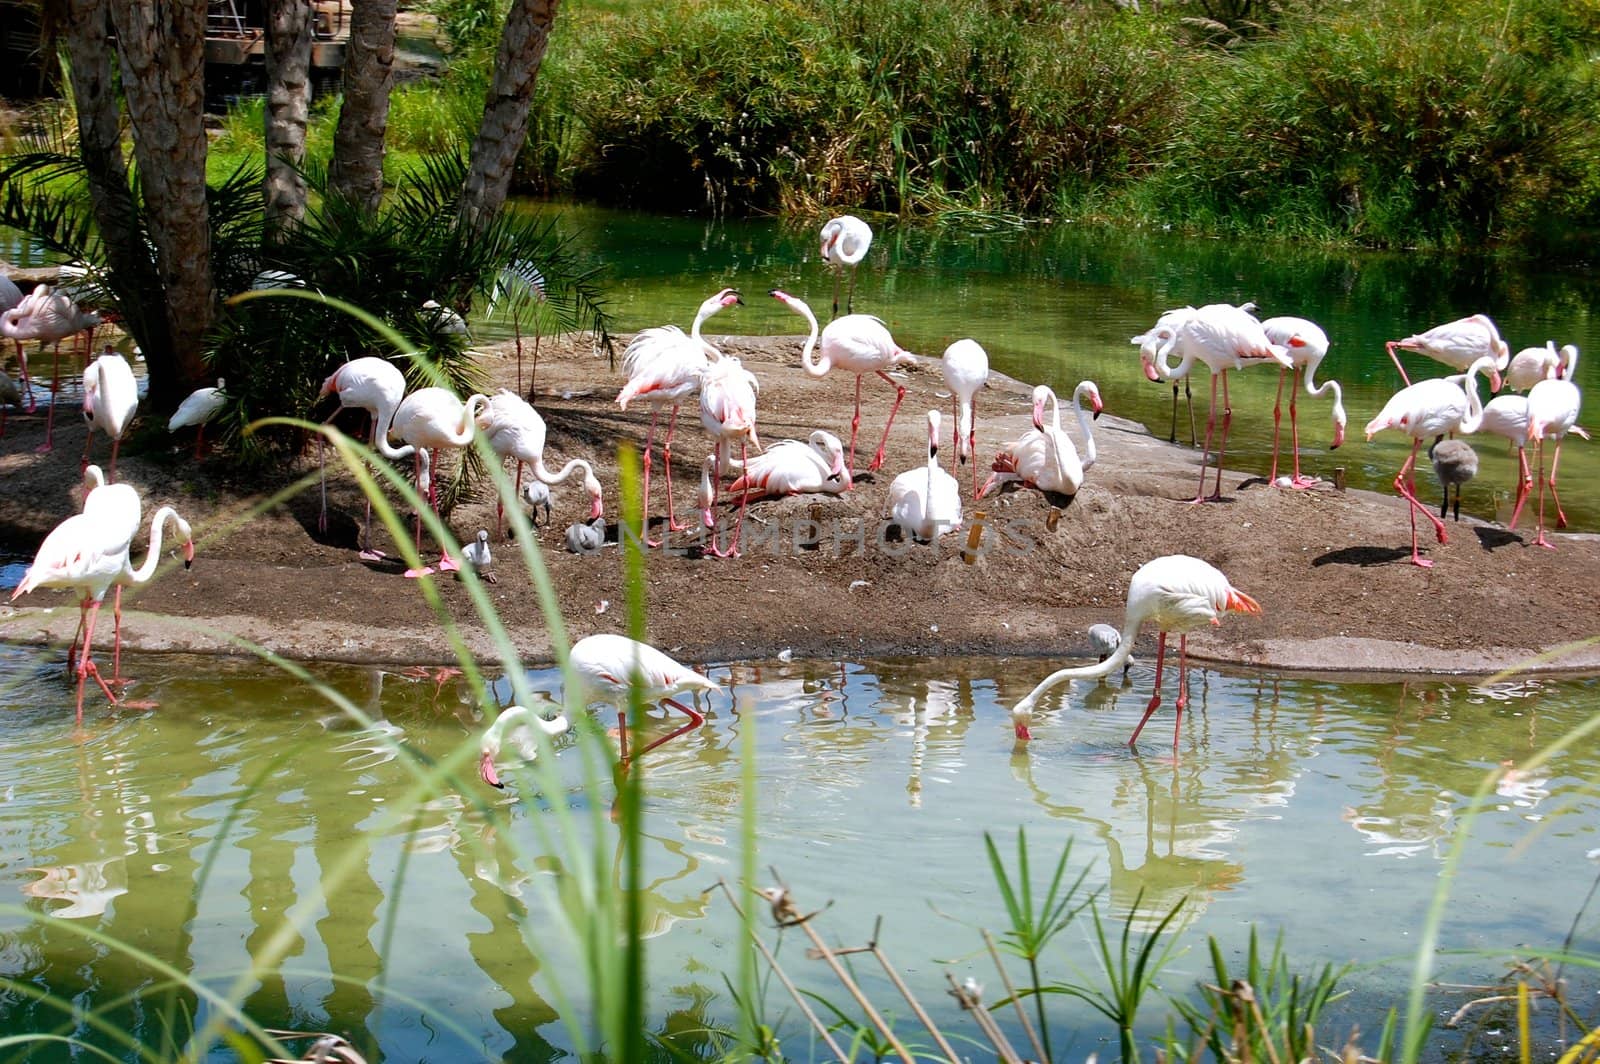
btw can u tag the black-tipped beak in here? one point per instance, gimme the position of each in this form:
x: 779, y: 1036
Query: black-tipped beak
x: 1096, y: 416
x: 834, y: 477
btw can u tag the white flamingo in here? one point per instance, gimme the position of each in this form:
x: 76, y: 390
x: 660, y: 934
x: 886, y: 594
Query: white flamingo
x: 966, y: 369
x: 845, y: 242
x: 1506, y: 416
x: 48, y: 317
x: 1180, y: 594
x: 1307, y: 346
x: 514, y: 429
x: 377, y: 386
x: 1458, y: 344
x: 431, y: 418
x: 1532, y: 365
x: 515, y: 726
x: 1423, y: 411
x: 728, y: 412
x: 10, y: 297
x: 605, y: 668
x: 1045, y: 456
x: 1553, y: 406
x: 859, y: 344
x: 926, y: 501
x: 1224, y: 337
x: 796, y: 467
x: 110, y: 399
x: 199, y: 407
x: 664, y: 367
x: 1148, y: 343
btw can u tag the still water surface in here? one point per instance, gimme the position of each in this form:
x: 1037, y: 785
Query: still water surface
x: 1320, y: 809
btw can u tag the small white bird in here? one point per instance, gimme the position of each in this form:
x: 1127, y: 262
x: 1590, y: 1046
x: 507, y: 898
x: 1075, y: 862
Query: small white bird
x: 477, y: 555
x: 201, y: 406
x: 444, y: 319
x: 1104, y: 639
x: 536, y: 493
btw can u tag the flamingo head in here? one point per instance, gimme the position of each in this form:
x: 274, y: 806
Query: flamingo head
x: 1092, y: 390
x: 1494, y: 380
x: 728, y: 297
x: 487, y: 771
x: 188, y: 540
x: 1021, y: 717
x: 1041, y: 396
x: 827, y: 445
x: 830, y: 236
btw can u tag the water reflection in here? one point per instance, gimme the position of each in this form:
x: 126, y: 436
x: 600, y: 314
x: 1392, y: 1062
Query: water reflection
x: 244, y: 821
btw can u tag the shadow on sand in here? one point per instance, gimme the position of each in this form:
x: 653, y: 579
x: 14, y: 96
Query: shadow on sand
x: 1362, y: 556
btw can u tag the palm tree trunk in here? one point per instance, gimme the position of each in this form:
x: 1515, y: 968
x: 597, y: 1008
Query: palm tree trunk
x: 288, y: 69
x: 357, y: 168
x: 162, y: 46
x: 505, y: 112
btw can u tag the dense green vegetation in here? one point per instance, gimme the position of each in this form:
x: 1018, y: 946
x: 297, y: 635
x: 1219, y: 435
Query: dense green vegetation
x: 1386, y: 122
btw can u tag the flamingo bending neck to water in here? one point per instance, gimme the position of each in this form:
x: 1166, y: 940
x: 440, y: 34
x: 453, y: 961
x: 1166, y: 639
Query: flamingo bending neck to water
x: 516, y: 726
x: 845, y: 242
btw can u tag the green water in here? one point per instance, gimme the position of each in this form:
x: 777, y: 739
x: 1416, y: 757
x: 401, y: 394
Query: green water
x: 201, y: 830
x: 1058, y: 304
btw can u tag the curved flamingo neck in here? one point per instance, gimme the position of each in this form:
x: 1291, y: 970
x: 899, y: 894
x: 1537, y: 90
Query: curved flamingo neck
x: 1130, y: 632
x: 152, y: 558
x: 383, y: 419
x: 816, y: 363
x: 462, y: 435
x: 544, y: 474
x: 1086, y: 423
x: 1474, y: 418
x: 1164, y: 356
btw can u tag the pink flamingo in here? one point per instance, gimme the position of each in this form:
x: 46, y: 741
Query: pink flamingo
x: 1458, y: 344
x: 48, y: 317
x: 796, y: 467
x: 10, y: 297
x: 1507, y: 416
x: 110, y: 399
x: 431, y: 418
x: 1307, y: 345
x: 1045, y: 457
x: 966, y: 369
x: 663, y: 368
x: 1532, y: 365
x: 516, y: 430
x: 859, y: 344
x: 197, y: 408
x: 1222, y: 336
x: 1553, y: 406
x: 377, y: 386
x: 845, y: 242
x: 728, y: 412
x: 1180, y: 594
x: 1422, y: 411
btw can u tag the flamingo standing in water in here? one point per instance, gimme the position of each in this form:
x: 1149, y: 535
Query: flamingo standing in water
x: 1553, y: 406
x: 926, y: 501
x: 516, y: 725
x: 1532, y: 365
x: 1307, y: 345
x: 845, y: 242
x: 1180, y: 594
x: 377, y: 386
x: 48, y: 317
x: 431, y: 418
x: 1507, y: 416
x: 110, y: 399
x: 796, y: 467
x: 664, y: 368
x: 1045, y: 458
x: 199, y: 407
x: 514, y: 429
x: 1222, y: 336
x: 728, y: 412
x: 1423, y: 411
x: 966, y: 369
x: 1458, y: 344
x: 859, y: 344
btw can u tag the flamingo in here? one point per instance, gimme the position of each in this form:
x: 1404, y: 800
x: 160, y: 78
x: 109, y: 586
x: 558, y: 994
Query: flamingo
x: 1224, y: 337
x: 1307, y: 345
x: 377, y: 386
x: 728, y: 412
x: 966, y: 369
x: 431, y: 418
x: 1507, y: 416
x: 1553, y: 406
x: 48, y: 317
x: 10, y: 395
x: 515, y: 429
x: 859, y: 344
x: 605, y: 668
x: 1045, y: 458
x: 1532, y: 365
x: 1148, y: 343
x: 664, y: 368
x: 1454, y: 462
x: 1104, y: 639
x: 1424, y: 410
x: 797, y: 467
x: 110, y: 399
x: 10, y: 297
x: 443, y: 319
x: 1180, y: 594
x: 516, y: 725
x: 1458, y: 344
x: 845, y: 241
x: 131, y: 576
x: 926, y: 502
x: 199, y: 407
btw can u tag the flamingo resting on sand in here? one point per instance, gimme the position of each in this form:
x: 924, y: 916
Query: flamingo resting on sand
x: 516, y: 726
x: 728, y: 413
x: 664, y: 367
x: 1458, y: 344
x: 1045, y: 457
x: 859, y: 344
x: 377, y: 386
x: 1307, y: 345
x: 514, y: 429
x: 48, y: 317
x: 1423, y: 411
x: 431, y: 418
x: 199, y: 407
x: 966, y: 370
x: 925, y: 502
x: 796, y: 467
x: 1553, y: 406
x: 1180, y: 594
x: 110, y: 399
x: 845, y: 242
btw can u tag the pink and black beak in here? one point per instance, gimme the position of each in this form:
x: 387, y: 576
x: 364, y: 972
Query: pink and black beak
x: 838, y: 471
x: 595, y: 508
x: 188, y: 554
x: 1038, y: 414
x: 486, y: 770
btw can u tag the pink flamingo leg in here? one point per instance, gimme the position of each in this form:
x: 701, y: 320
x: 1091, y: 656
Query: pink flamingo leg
x: 116, y: 445
x: 955, y: 433
x: 27, y: 385
x: 1300, y: 481
x: 447, y: 564
x: 972, y: 445
x: 416, y: 463
x: 50, y: 416
x: 85, y: 666
x: 1410, y: 495
x: 1541, y: 541
x: 696, y: 719
x: 1391, y: 345
x: 1277, y: 417
x: 649, y: 443
x: 116, y: 637
x: 1561, y: 518
x: 733, y: 540
x: 1222, y: 446
x: 855, y: 426
x: 673, y: 524
x: 1155, y: 698
x: 199, y: 441
x: 899, y: 394
x: 1524, y: 486
x: 1205, y: 453
x: 1183, y: 690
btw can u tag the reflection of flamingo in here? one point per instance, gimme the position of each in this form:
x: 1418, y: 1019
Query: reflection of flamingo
x: 1423, y: 410
x: 606, y: 666
x: 110, y: 398
x: 433, y: 418
x: 1553, y: 412
x: 1458, y: 344
x: 1045, y: 458
x: 1179, y: 593
x: 797, y: 467
x: 728, y: 412
x: 845, y: 241
x: 377, y: 386
x: 966, y: 368
x: 48, y: 317
x: 664, y: 367
x: 516, y: 430
x: 1532, y: 365
x: 200, y: 406
x: 1224, y: 337
x: 926, y: 502
x: 1507, y: 416
x: 517, y: 724
x: 859, y: 344
x: 1307, y: 345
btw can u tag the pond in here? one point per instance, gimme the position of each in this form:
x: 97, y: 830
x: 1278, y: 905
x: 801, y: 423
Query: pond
x: 227, y: 820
